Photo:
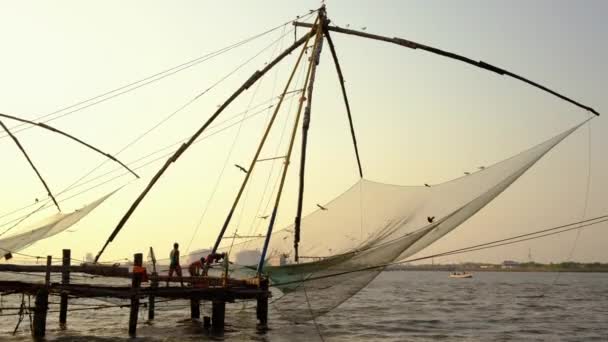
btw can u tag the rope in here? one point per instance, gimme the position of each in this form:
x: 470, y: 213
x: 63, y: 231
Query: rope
x: 312, y: 315
x: 487, y: 245
x: 236, y: 137
x: 149, y: 79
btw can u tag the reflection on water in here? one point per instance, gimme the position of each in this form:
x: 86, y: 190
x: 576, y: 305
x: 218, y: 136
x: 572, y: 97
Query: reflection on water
x: 397, y: 306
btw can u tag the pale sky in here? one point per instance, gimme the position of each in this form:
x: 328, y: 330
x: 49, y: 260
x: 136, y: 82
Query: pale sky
x: 419, y: 118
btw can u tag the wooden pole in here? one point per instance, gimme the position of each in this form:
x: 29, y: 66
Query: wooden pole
x: 259, y: 150
x: 135, y: 284
x: 251, y: 81
x: 277, y: 201
x: 41, y: 305
x: 314, y: 61
x: 153, y: 285
x: 65, y: 279
x: 480, y: 64
x: 262, y: 305
x: 195, y: 308
x: 218, y: 315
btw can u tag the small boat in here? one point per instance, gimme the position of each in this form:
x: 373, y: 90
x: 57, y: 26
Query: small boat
x: 461, y: 275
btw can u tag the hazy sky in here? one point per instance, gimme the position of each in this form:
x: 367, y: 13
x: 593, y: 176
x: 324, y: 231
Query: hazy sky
x: 420, y: 118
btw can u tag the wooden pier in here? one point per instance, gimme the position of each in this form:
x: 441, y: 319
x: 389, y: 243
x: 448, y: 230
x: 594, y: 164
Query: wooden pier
x: 217, y: 290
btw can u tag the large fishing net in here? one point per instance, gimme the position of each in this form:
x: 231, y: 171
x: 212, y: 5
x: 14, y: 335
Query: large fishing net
x: 46, y: 228
x: 372, y: 224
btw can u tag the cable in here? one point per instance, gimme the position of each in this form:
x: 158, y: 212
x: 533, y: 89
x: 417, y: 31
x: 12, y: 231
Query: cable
x: 150, y: 79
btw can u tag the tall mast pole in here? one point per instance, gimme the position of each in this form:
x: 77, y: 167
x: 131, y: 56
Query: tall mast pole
x: 259, y: 150
x: 315, y: 59
x: 318, y: 32
x: 251, y: 81
x: 31, y: 163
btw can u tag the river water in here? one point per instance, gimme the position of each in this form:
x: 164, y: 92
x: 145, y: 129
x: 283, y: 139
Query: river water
x: 397, y: 306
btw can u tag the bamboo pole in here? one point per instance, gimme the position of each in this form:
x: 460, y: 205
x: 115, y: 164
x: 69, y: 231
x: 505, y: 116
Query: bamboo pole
x: 273, y: 216
x: 314, y: 60
x: 480, y: 64
x: 53, y: 129
x: 31, y: 164
x: 334, y: 55
x: 251, y: 81
x: 259, y: 150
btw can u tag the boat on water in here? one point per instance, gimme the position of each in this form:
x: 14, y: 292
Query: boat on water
x: 461, y: 275
x: 347, y: 241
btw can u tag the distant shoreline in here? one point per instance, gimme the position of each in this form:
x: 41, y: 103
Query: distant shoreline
x: 523, y: 267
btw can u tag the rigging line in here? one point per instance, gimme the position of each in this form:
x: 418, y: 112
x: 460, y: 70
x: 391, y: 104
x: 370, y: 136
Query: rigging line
x: 178, y: 110
x: 160, y: 75
x: 157, y: 151
x: 136, y: 168
x: 53, y: 129
x: 299, y: 77
x: 274, y: 87
x: 480, y: 64
x: 304, y: 40
x: 31, y: 163
x: 248, y: 83
x: 585, y: 205
x: 234, y: 141
x: 241, y: 214
x: 312, y: 315
x: 275, y: 209
x: 453, y: 252
x: 334, y: 56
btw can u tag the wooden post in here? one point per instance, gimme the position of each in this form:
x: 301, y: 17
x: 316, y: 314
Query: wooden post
x: 135, y: 284
x: 195, y: 308
x: 262, y: 304
x: 152, y: 298
x: 65, y: 279
x: 154, y: 285
x: 218, y: 314
x: 42, y: 303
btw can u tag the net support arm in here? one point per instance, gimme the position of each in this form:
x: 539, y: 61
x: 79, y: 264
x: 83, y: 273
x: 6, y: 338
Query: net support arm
x: 31, y: 164
x: 315, y: 59
x: 480, y: 64
x: 259, y: 149
x: 334, y: 55
x: 53, y: 129
x: 275, y: 209
x: 251, y: 81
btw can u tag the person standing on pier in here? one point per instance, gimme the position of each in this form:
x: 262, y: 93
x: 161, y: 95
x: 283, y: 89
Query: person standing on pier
x: 174, y: 265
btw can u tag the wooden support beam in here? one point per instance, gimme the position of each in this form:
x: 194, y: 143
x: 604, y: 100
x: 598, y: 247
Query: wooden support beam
x: 42, y: 305
x: 65, y: 279
x: 135, y: 284
x: 262, y: 305
x: 218, y: 315
x: 195, y: 308
x: 152, y: 297
x: 480, y: 64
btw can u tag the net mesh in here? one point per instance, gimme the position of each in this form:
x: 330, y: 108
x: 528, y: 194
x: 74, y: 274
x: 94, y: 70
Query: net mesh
x: 397, y: 222
x: 46, y: 228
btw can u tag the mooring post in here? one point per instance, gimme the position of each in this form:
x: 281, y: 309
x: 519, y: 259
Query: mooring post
x: 42, y: 303
x: 65, y: 279
x: 195, y: 308
x: 218, y: 314
x: 135, y: 284
x: 153, y: 285
x: 262, y: 304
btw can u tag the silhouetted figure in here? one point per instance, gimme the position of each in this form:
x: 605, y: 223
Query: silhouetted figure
x: 174, y: 264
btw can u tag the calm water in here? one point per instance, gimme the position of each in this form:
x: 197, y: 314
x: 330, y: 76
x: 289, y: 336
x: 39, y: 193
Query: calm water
x: 397, y: 306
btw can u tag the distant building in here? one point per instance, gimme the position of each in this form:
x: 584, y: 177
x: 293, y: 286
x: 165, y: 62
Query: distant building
x: 248, y: 257
x: 89, y: 257
x: 277, y: 260
x: 509, y: 264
